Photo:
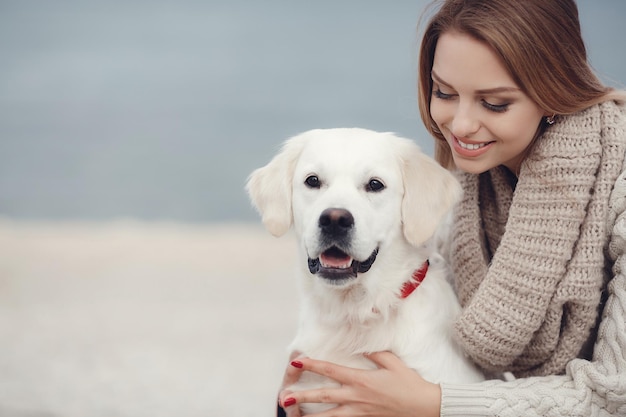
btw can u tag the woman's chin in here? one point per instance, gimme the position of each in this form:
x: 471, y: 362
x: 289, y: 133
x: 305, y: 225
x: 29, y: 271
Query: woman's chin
x: 471, y: 167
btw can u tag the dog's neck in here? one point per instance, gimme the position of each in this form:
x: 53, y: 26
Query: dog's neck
x: 358, y: 304
x: 416, y: 279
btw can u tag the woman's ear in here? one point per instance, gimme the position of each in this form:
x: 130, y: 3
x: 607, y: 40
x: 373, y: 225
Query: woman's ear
x: 430, y: 191
x: 270, y: 187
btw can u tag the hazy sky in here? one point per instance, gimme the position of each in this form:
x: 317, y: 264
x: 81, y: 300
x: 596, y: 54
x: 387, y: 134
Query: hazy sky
x: 160, y: 109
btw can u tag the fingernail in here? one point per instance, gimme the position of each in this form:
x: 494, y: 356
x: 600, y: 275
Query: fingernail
x: 296, y: 364
x: 289, y: 402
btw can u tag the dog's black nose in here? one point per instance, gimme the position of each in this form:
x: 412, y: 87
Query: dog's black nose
x: 336, y: 221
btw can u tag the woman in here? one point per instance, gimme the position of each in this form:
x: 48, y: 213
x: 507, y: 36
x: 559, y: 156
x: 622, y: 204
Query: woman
x: 538, y: 242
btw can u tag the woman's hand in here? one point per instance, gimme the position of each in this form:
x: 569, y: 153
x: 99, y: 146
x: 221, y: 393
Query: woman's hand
x: 391, y: 390
x: 291, y: 376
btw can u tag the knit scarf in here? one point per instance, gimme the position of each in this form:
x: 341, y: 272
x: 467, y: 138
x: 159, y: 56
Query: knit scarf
x: 528, y: 252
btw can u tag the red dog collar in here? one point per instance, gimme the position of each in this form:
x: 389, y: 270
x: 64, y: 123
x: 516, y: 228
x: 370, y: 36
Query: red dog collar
x: 415, y: 281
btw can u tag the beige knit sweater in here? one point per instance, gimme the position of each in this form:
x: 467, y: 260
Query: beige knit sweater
x: 595, y: 387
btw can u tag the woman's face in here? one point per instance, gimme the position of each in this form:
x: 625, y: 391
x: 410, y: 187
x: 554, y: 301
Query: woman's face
x: 484, y: 116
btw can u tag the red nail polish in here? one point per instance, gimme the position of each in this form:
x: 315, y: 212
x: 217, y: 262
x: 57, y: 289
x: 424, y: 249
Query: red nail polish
x: 296, y: 364
x: 289, y: 402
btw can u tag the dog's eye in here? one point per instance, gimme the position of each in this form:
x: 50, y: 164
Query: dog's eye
x: 312, y: 181
x: 374, y: 185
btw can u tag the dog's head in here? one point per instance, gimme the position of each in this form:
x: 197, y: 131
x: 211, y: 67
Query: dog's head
x: 349, y: 193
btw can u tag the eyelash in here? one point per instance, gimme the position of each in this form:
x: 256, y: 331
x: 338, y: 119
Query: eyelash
x: 497, y: 108
x: 439, y: 94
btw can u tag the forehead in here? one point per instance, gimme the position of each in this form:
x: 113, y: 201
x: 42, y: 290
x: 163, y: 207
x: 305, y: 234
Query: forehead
x: 466, y: 62
x: 358, y: 153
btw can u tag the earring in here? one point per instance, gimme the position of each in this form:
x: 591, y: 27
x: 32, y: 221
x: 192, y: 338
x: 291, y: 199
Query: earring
x: 550, y: 120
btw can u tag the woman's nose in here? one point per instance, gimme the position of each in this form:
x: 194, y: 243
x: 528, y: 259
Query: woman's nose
x: 464, y: 123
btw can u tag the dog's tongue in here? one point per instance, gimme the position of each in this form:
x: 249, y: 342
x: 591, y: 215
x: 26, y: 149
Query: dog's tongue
x: 334, y: 258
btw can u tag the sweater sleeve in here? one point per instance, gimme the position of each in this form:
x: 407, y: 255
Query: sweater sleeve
x: 588, y: 388
x: 596, y: 388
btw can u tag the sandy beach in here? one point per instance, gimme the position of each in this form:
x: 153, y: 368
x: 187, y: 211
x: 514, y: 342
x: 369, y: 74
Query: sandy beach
x: 141, y: 319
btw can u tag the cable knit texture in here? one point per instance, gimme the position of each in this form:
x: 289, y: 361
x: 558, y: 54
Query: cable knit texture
x: 531, y: 300
x: 567, y: 232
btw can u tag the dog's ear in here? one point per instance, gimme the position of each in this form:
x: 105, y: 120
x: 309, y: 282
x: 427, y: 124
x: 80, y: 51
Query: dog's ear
x: 270, y: 187
x: 430, y: 191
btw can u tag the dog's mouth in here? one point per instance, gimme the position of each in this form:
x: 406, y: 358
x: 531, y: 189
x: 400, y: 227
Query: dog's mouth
x: 337, y: 266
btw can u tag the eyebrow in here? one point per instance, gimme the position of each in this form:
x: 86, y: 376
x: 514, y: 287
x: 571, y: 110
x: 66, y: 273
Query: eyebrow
x: 495, y: 90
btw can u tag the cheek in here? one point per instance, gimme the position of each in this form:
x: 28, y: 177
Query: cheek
x: 520, y: 129
x: 438, y: 112
x: 384, y: 213
x: 302, y: 204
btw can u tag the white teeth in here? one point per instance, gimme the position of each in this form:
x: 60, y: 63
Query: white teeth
x: 471, y: 146
x: 347, y: 264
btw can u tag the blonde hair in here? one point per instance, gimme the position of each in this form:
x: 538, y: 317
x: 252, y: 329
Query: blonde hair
x: 540, y: 44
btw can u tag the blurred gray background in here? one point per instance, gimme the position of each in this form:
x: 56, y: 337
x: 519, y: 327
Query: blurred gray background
x: 127, y: 131
x: 159, y: 110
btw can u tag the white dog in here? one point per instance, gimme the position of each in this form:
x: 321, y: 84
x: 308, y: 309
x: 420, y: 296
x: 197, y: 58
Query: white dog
x: 365, y: 206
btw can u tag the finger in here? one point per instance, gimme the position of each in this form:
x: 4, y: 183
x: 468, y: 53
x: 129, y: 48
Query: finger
x: 338, y: 373
x: 282, y: 395
x: 385, y: 360
x: 317, y: 396
x: 294, y: 370
x: 293, y: 411
x: 288, y: 403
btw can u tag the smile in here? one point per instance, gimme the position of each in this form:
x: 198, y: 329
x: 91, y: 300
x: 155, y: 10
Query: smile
x: 471, y: 146
x: 470, y: 149
x: 337, y: 266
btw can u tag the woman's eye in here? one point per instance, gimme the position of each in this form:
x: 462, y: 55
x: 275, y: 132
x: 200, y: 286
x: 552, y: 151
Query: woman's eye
x: 312, y: 181
x: 498, y: 108
x: 440, y: 94
x: 374, y: 185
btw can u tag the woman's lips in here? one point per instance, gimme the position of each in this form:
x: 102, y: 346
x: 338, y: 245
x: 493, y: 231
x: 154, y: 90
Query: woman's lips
x: 470, y: 149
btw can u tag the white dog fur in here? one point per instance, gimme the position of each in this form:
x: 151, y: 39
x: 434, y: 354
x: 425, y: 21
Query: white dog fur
x: 346, y: 313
